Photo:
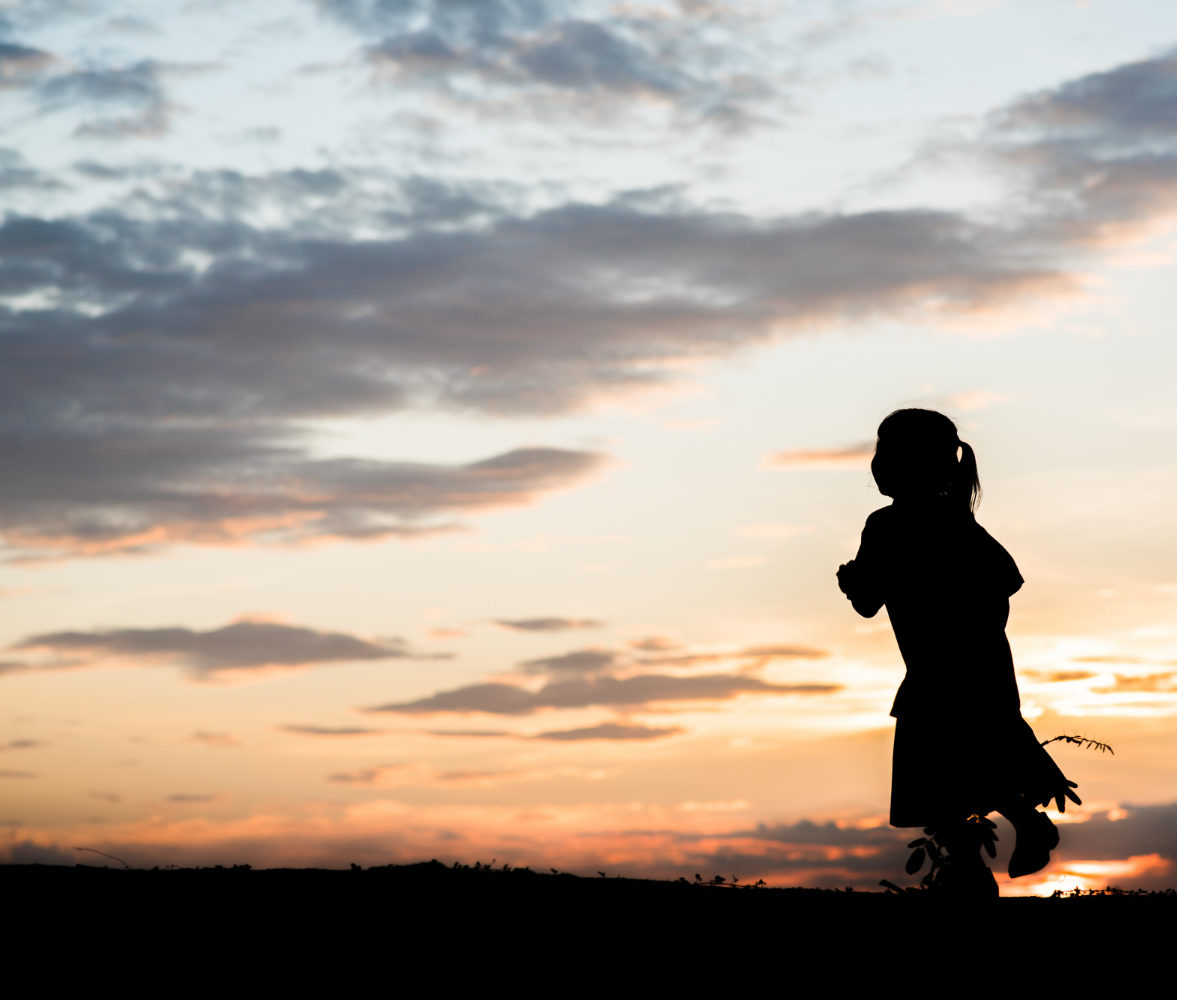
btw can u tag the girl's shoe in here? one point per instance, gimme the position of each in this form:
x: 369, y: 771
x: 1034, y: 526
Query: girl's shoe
x: 1037, y: 837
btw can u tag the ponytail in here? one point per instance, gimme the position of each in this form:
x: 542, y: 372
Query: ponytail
x: 966, y: 485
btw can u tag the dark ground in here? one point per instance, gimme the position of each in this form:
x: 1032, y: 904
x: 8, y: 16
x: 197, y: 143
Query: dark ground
x: 314, y: 923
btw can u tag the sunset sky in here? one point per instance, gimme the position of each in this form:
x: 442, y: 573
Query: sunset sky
x: 430, y: 428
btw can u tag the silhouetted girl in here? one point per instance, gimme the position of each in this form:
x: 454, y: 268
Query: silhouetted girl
x: 961, y: 746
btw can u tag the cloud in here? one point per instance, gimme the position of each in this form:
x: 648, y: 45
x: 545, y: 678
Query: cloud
x: 1151, y: 683
x: 366, y: 775
x: 306, y: 730
x: 137, y: 87
x: 1118, y: 660
x: 700, y: 64
x: 580, y: 661
x: 5, y: 773
x: 193, y: 340
x: 1058, y: 676
x: 596, y: 660
x: 630, y: 692
x: 587, y: 56
x: 1123, y: 833
x: 213, y: 739
x: 760, y: 654
x: 241, y: 646
x: 21, y: 666
x: 473, y: 733
x: 28, y: 852
x: 610, y: 731
x: 1100, y: 151
x: 547, y: 624
x: 192, y: 799
x: 850, y: 456
x: 447, y: 632
x: 133, y: 490
x: 21, y: 744
x: 19, y: 64
x: 655, y: 644
x: 15, y: 174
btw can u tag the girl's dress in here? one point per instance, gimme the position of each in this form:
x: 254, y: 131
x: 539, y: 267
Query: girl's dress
x: 961, y: 745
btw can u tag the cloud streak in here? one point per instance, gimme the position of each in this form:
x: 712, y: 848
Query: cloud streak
x: 241, y: 646
x: 610, y: 731
x: 849, y: 456
x: 555, y: 624
x: 628, y: 692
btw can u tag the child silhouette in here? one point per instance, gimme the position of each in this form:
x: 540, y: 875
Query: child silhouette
x: 961, y: 748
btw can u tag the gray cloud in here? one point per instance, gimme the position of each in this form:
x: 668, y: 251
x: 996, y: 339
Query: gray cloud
x: 1145, y: 830
x: 1100, y: 152
x: 610, y: 731
x: 21, y: 744
x: 328, y: 730
x: 703, y: 64
x: 595, y: 660
x: 19, y: 63
x: 215, y: 739
x: 643, y: 689
x: 580, y: 661
x: 125, y: 489
x: 152, y: 395
x: 364, y: 776
x: 138, y: 88
x: 28, y: 852
x: 240, y: 646
x: 187, y: 436
x: 194, y: 799
x: 16, y: 174
x: 37, y: 13
x: 472, y: 733
x: 586, y: 56
x: 547, y: 624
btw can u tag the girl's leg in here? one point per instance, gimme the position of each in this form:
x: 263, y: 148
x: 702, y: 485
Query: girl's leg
x: 964, y: 872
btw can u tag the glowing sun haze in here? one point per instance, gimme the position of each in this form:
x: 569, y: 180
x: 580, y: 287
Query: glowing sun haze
x: 430, y: 429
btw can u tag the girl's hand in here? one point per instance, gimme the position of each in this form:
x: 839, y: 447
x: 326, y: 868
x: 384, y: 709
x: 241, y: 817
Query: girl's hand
x: 1061, y: 795
x: 846, y: 577
x: 861, y: 593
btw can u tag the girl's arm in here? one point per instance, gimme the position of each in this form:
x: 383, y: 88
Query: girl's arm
x: 865, y: 599
x: 860, y: 578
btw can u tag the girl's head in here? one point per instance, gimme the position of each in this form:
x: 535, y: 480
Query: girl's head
x: 917, y: 456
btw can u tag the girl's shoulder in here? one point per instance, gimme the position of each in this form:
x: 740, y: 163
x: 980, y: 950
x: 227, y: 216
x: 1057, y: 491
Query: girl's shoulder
x: 881, y: 520
x: 921, y: 521
x: 880, y: 526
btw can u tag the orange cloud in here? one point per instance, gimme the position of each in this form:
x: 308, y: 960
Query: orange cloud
x: 849, y: 457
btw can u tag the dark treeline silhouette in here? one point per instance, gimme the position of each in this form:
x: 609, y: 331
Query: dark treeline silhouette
x: 962, y: 749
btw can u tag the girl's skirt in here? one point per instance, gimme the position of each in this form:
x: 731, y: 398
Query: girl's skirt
x: 945, y: 771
